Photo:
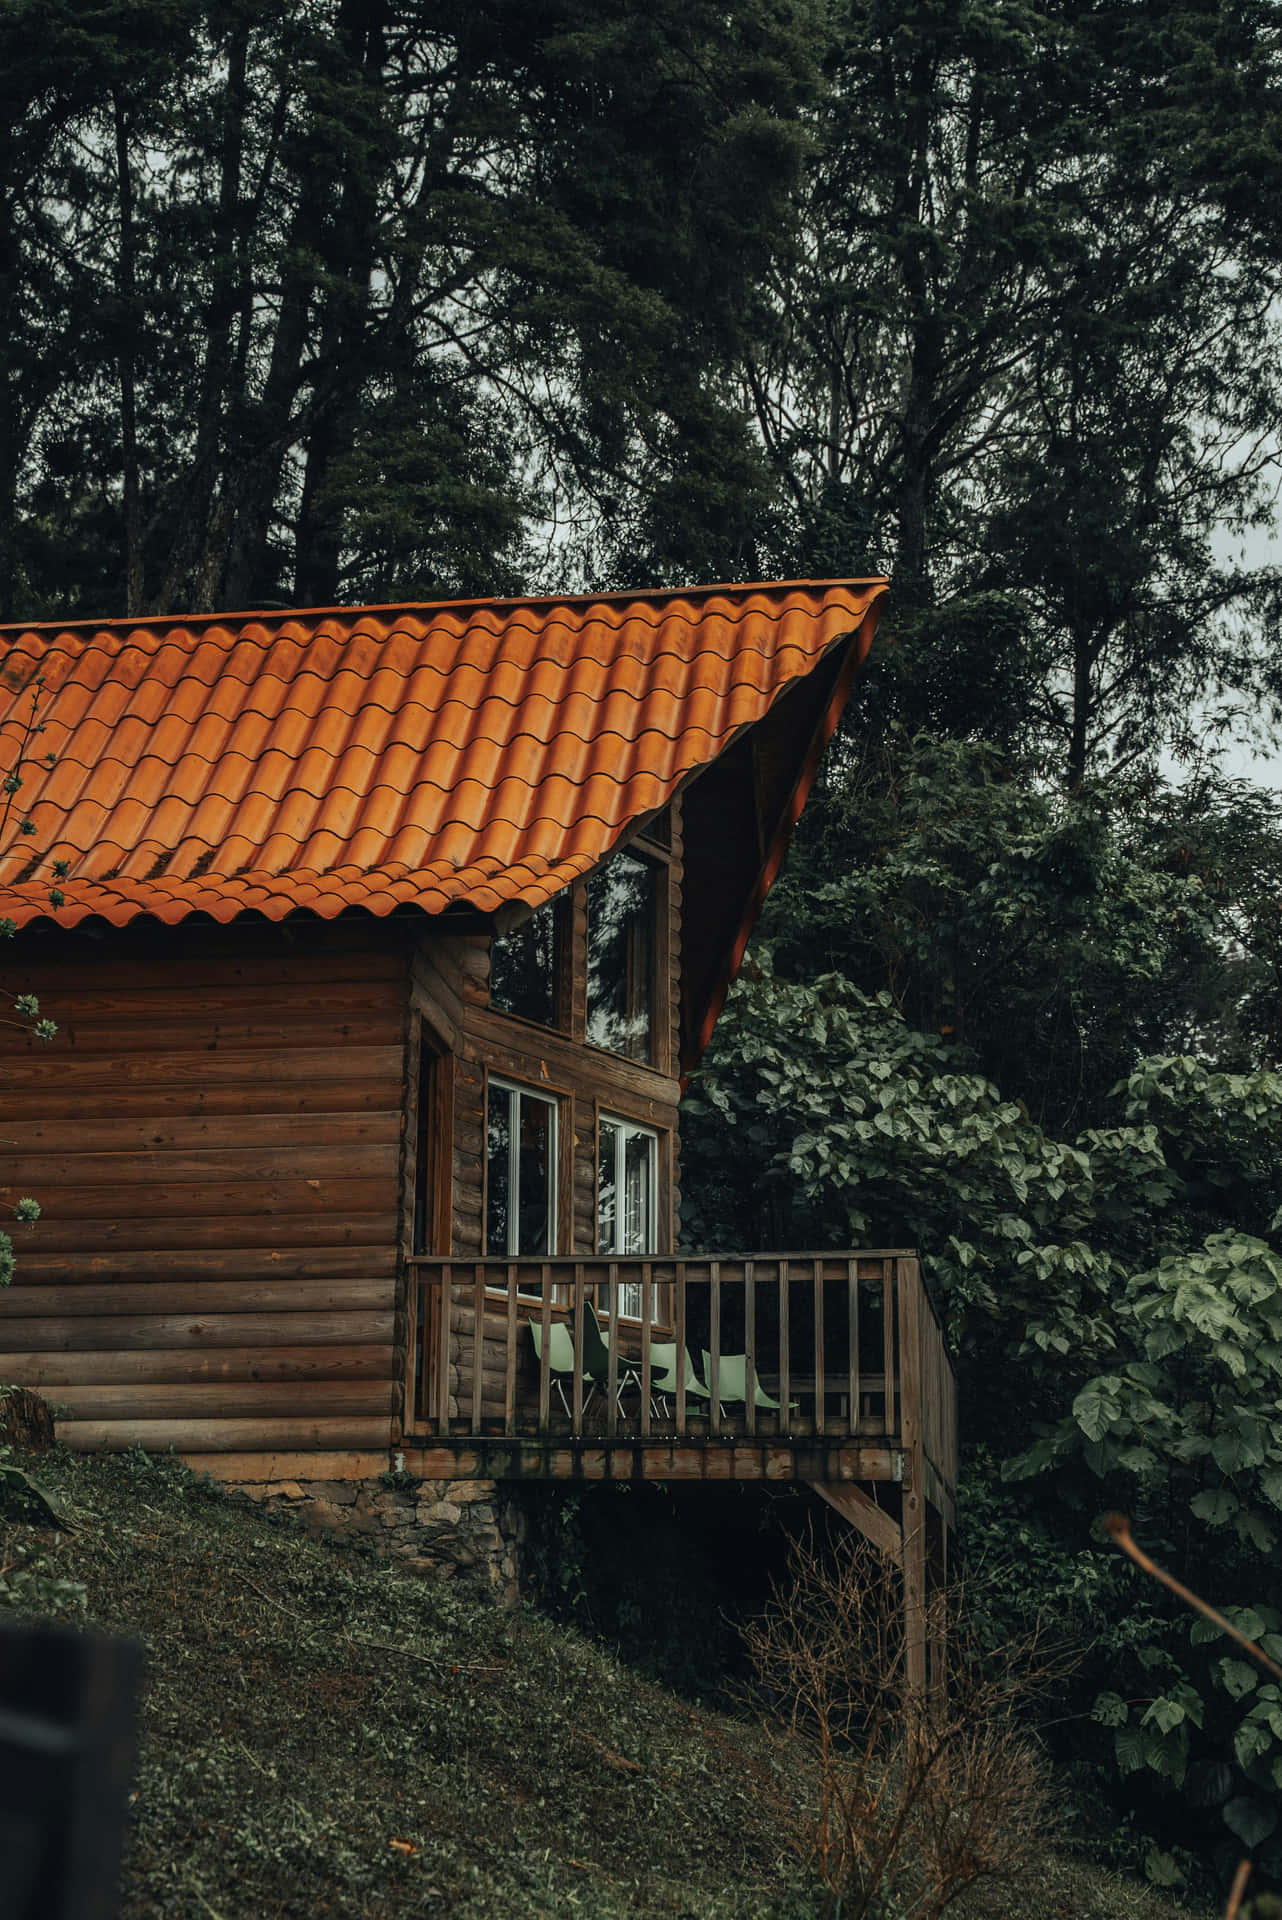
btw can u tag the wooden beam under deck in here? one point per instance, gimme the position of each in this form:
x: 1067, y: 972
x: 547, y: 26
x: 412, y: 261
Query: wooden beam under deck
x: 739, y: 1458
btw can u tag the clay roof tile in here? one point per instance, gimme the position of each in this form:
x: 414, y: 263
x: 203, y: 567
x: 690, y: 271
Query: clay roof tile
x: 472, y: 752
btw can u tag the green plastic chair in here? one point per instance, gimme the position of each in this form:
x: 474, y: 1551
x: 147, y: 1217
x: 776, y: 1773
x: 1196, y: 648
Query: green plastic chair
x: 663, y: 1376
x: 732, y: 1382
x: 560, y: 1357
x: 596, y: 1358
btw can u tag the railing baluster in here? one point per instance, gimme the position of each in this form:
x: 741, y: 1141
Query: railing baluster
x: 612, y: 1346
x: 509, y: 1377
x: 785, y: 1340
x: 679, y: 1330
x: 817, y: 1275
x: 750, y: 1343
x: 478, y: 1341
x: 545, y: 1347
x: 646, y: 1312
x: 414, y: 1355
x: 852, y: 1327
x: 445, y: 1313
x: 579, y: 1309
x: 890, y: 1309
x: 714, y: 1346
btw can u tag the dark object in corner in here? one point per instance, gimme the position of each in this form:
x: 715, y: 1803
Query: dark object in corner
x: 25, y: 1420
x: 68, y: 1731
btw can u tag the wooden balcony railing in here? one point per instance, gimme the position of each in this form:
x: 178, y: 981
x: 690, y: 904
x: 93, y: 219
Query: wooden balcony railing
x: 846, y: 1345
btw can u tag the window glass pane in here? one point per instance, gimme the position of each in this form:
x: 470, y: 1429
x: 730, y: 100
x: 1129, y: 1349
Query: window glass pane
x: 607, y: 1210
x: 523, y: 968
x: 627, y: 1177
x: 534, y: 1229
x: 621, y: 917
x: 638, y: 1193
x: 497, y: 1181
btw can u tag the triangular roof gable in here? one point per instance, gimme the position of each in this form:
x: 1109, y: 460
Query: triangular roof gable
x: 472, y: 753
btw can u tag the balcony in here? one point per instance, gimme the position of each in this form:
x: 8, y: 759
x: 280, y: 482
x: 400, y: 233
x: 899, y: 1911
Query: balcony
x: 567, y: 1367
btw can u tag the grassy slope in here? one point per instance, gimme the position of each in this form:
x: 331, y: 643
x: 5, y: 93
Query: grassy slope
x: 305, y: 1709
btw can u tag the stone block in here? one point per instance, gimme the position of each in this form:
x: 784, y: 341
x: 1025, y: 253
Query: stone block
x: 443, y: 1514
x: 338, y: 1493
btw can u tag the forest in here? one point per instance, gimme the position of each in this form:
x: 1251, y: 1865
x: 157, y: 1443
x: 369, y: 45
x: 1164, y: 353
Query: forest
x: 339, y: 301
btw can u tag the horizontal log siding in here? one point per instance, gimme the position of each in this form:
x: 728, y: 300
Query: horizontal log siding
x: 215, y: 1140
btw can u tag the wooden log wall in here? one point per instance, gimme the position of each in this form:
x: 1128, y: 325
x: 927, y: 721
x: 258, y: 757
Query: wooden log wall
x: 215, y: 1140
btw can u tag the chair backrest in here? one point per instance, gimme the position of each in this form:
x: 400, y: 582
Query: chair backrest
x: 732, y: 1380
x: 560, y: 1345
x: 596, y: 1355
x: 663, y: 1370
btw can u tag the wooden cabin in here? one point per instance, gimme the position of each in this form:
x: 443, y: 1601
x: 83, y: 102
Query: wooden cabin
x: 380, y: 942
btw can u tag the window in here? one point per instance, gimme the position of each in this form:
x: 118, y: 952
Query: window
x: 622, y: 910
x: 525, y: 967
x: 520, y: 1171
x: 628, y: 1202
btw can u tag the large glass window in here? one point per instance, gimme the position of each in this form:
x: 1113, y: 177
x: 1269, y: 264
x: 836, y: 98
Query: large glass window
x: 524, y: 967
x: 628, y: 1202
x: 622, y: 903
x: 520, y: 1184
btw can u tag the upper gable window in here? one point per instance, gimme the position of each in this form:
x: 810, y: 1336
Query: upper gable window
x: 525, y: 967
x: 623, y: 902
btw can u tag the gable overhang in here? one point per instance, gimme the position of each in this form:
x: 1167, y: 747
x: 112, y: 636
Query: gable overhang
x: 739, y: 816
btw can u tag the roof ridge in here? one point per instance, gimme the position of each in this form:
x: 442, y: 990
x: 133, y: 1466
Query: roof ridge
x: 508, y: 603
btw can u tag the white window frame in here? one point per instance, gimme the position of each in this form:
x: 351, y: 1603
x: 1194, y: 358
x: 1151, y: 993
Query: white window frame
x: 630, y: 1302
x: 519, y: 1091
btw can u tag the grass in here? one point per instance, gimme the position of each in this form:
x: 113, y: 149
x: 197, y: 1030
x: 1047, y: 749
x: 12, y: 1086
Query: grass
x: 325, y: 1737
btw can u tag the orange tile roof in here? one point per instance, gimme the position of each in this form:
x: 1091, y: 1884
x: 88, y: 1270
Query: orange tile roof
x: 476, y: 752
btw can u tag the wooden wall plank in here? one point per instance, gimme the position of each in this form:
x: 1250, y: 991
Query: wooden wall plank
x: 219, y: 1200
x: 228, y: 1436
x: 185, y: 1102
x: 169, y: 1365
x: 21, y: 1302
x: 117, y: 1332
x: 130, y: 1135
x: 245, y: 1166
x: 272, y: 1064
x: 241, y: 1468
x: 223, y: 1263
x: 260, y: 1230
x: 223, y: 1399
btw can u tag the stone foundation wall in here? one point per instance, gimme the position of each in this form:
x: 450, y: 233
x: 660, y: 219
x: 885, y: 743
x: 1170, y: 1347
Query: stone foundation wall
x: 467, y: 1530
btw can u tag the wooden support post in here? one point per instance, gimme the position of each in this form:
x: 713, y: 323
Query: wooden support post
x: 579, y: 1309
x: 679, y: 1328
x: 714, y: 1347
x: 852, y: 1332
x: 784, y: 1416
x: 478, y: 1342
x: 444, y: 1315
x: 863, y: 1513
x: 908, y: 1289
x: 612, y: 1353
x: 750, y: 1345
x: 545, y: 1355
x: 647, y: 1290
x: 509, y: 1370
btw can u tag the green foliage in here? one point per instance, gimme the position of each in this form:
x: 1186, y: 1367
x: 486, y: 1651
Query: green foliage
x: 1115, y: 1296
x: 1060, y: 938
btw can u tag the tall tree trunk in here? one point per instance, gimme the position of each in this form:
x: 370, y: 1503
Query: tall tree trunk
x: 194, y: 537
x: 127, y: 294
x: 342, y: 371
